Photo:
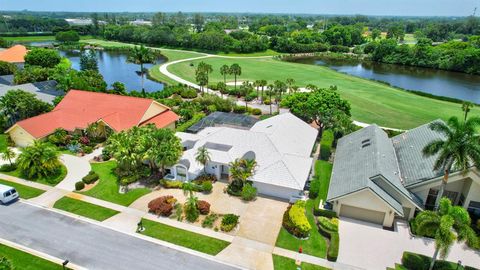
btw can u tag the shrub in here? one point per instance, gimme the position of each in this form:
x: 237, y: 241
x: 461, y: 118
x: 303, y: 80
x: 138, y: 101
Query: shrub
x: 256, y: 111
x: 188, y: 93
x: 42, y: 57
x: 7, y: 68
x: 339, y: 48
x: 191, y: 212
x: 106, y: 155
x: 249, y: 192
x: 239, y: 109
x: 267, y: 102
x: 91, y: 177
x: 8, y: 167
x: 299, y: 219
x: 84, y: 140
x: 324, y: 212
x: 162, y: 206
x: 5, y: 264
x: 332, y: 253
x: 126, y: 180
x: 209, y: 220
x: 205, y: 177
x: 414, y: 261
x: 229, y: 221
x: 74, y: 148
x: 171, y: 184
x: 203, y: 207
x: 330, y: 225
x: 79, y: 185
x: 87, y: 149
x: 207, y: 186
x: 314, y: 189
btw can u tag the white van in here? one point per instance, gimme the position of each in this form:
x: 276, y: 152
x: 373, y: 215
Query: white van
x: 7, y: 194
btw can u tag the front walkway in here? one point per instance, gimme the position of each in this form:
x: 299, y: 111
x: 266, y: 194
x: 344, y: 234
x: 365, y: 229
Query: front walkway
x: 369, y: 246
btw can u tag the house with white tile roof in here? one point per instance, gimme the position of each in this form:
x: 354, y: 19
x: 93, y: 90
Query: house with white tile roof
x: 281, y: 146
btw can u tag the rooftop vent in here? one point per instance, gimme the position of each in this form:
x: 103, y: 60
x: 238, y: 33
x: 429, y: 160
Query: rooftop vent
x: 365, y: 143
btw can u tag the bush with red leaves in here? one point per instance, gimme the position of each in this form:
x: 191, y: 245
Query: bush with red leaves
x: 203, y: 207
x: 162, y: 206
x: 84, y: 140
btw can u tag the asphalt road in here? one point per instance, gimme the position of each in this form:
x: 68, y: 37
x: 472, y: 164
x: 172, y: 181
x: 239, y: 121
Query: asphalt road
x: 89, y: 245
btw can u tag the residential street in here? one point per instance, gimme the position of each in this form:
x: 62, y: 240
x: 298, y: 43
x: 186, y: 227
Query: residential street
x: 88, y: 245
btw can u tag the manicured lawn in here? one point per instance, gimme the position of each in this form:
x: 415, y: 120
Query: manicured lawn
x: 25, y: 261
x: 268, y: 52
x: 84, y: 209
x: 3, y: 142
x: 183, y: 238
x: 51, y: 180
x: 107, y: 188
x: 284, y: 263
x: 323, y: 171
x: 25, y: 192
x: 371, y: 102
x: 315, y: 245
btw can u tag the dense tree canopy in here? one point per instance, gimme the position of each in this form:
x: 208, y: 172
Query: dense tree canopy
x: 67, y: 36
x: 17, y: 105
x: 42, y: 57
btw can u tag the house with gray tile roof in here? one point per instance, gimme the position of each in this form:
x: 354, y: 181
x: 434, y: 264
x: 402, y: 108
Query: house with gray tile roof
x: 378, y: 179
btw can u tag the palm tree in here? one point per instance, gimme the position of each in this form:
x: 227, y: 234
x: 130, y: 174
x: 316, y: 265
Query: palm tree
x: 271, y: 88
x: 188, y: 189
x: 447, y: 225
x: 246, y: 88
x: 280, y: 87
x: 225, y: 70
x: 38, y: 160
x: 203, y: 156
x: 204, y: 68
x: 8, y: 154
x: 290, y: 82
x: 263, y: 83
x: 142, y: 55
x: 257, y: 84
x: 466, y: 105
x: 235, y: 70
x: 457, y: 149
x: 202, y: 79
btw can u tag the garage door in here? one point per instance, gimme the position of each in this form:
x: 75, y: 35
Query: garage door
x: 362, y: 214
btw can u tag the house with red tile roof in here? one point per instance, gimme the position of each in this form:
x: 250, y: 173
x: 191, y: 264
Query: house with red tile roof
x: 78, y: 109
x: 15, y: 54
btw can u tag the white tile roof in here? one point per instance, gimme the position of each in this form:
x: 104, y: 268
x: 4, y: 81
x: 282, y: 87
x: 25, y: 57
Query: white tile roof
x: 282, y: 146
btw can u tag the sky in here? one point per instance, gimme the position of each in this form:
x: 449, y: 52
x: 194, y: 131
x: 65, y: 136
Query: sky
x: 365, y: 7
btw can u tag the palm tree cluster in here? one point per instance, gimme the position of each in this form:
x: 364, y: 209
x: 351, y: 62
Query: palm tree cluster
x: 202, y: 74
x: 235, y: 70
x: 38, y: 160
x: 159, y: 147
x: 241, y: 170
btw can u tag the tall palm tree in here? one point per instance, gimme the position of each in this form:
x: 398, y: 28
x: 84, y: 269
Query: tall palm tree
x: 38, y: 160
x: 236, y: 71
x: 203, y: 157
x: 466, y: 105
x: 449, y: 224
x: 271, y: 89
x: 263, y: 83
x: 225, y: 70
x: 140, y: 56
x: 8, y: 154
x: 246, y: 89
x: 280, y: 87
x: 458, y: 149
x: 258, y: 84
x: 290, y: 82
x: 204, y: 68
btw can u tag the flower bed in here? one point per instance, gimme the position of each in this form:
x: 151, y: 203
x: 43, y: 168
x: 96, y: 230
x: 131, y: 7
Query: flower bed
x: 162, y: 206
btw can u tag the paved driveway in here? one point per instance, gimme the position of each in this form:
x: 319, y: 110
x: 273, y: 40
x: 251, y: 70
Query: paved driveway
x: 89, y: 245
x: 369, y: 246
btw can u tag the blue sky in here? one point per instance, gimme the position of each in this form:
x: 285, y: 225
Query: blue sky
x: 368, y: 7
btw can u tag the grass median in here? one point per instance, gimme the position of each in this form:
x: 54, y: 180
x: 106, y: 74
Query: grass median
x: 84, y: 209
x: 25, y: 192
x: 284, y: 263
x: 26, y: 261
x: 183, y: 238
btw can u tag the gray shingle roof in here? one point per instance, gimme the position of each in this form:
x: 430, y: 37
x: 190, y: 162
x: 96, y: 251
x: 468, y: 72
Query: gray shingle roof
x: 362, y: 157
x: 414, y: 166
x: 45, y: 91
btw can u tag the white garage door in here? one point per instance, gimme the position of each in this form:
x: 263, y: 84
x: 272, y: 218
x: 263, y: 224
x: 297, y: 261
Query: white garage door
x: 275, y: 191
x: 362, y: 214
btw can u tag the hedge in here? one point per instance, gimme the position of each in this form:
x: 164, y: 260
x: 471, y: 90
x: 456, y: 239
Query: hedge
x: 329, y: 229
x: 314, y: 188
x: 324, y: 212
x: 91, y: 177
x: 332, y: 253
x: 297, y: 216
x: 171, y: 184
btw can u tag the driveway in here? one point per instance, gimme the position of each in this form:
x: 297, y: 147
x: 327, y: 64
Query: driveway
x: 369, y: 246
x: 91, y: 246
x: 77, y: 168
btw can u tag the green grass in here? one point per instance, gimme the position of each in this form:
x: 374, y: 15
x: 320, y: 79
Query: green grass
x: 51, y: 180
x: 326, y: 145
x: 107, y: 187
x: 84, y: 209
x: 315, y: 245
x: 183, y: 238
x: 26, y: 261
x: 25, y: 192
x: 25, y: 39
x: 3, y: 142
x: 284, y: 263
x: 323, y: 171
x: 268, y: 52
x: 371, y: 102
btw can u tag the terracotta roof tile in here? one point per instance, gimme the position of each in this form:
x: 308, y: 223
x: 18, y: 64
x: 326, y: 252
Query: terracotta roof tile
x: 15, y: 54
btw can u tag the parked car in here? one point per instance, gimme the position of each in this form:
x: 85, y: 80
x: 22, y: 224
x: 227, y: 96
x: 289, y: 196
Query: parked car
x: 7, y: 194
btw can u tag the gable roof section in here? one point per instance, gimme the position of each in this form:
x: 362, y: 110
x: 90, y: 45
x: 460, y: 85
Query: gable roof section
x: 78, y: 109
x: 360, y: 158
x: 414, y: 166
x: 15, y: 54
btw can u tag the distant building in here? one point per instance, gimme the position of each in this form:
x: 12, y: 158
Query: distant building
x: 140, y: 22
x: 82, y: 21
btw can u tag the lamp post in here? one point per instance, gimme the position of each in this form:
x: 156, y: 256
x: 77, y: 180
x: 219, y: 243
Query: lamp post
x: 64, y: 264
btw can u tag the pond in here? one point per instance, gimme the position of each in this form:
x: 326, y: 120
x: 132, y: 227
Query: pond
x: 114, y: 67
x: 437, y: 82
